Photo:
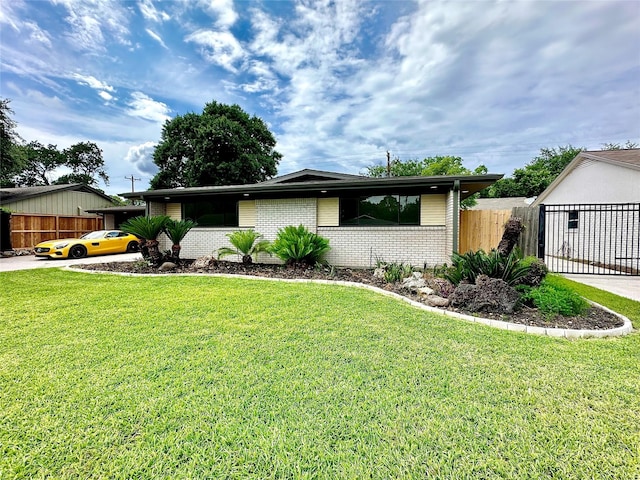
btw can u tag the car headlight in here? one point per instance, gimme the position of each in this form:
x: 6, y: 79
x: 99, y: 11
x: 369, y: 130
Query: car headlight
x: 60, y: 245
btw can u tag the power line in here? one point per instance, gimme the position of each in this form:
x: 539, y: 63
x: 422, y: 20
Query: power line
x: 132, y: 181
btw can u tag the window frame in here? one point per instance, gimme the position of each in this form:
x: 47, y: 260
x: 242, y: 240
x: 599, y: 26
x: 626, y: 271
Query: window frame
x: 359, y: 199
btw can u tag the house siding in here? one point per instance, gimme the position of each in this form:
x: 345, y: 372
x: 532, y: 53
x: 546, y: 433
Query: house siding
x: 328, y: 212
x: 247, y: 213
x: 433, y: 209
x: 59, y: 203
x: 174, y: 211
x: 271, y: 215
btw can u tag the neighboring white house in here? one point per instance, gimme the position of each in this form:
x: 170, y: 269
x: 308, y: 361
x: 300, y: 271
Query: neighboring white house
x: 403, y: 219
x: 592, y: 213
x: 608, y: 176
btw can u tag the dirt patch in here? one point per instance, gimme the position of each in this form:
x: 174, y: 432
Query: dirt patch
x: 593, y: 319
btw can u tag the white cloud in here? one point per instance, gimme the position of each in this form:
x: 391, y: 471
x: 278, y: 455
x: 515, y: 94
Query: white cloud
x: 157, y: 38
x: 141, y: 156
x: 145, y: 107
x: 37, y: 34
x: 149, y: 12
x: 222, y: 11
x: 92, y: 22
x: 106, y: 96
x: 92, y: 82
x: 221, y: 48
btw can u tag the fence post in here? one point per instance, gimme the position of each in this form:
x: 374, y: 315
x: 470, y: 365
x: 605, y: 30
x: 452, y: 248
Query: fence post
x: 541, y: 232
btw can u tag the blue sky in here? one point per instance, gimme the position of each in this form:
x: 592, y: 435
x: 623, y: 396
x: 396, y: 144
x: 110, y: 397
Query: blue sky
x: 338, y: 82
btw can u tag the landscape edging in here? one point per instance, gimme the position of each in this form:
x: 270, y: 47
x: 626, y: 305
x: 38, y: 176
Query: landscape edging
x: 625, y: 329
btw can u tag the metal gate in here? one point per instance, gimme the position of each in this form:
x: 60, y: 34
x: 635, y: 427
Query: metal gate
x: 602, y: 239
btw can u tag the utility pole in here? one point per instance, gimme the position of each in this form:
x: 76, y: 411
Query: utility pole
x: 132, y: 182
x: 388, y: 164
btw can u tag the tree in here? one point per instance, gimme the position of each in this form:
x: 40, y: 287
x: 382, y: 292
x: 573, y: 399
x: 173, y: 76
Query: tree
x: 39, y: 163
x: 86, y: 162
x: 176, y: 230
x: 221, y: 146
x: 147, y: 230
x: 429, y: 167
x: 10, y: 158
x: 616, y: 146
x: 535, y: 177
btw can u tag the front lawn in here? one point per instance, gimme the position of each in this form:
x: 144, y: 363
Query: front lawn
x: 193, y: 377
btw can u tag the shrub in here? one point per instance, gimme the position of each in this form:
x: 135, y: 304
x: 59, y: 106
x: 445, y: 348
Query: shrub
x: 297, y: 245
x: 394, y: 271
x: 556, y: 300
x: 247, y: 243
x: 537, y: 270
x: 468, y: 266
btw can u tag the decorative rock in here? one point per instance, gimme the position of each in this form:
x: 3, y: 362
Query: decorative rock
x: 204, y: 262
x: 166, y: 266
x: 414, y: 283
x: 436, y: 301
x: 378, y: 273
x: 487, y: 295
x: 425, y: 291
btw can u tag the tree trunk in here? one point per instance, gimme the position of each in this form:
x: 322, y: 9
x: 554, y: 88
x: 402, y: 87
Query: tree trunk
x: 247, y: 259
x: 154, y: 252
x: 175, y: 251
x: 512, y: 230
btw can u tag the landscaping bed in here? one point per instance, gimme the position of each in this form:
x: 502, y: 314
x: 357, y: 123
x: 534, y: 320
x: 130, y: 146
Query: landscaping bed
x: 593, y: 319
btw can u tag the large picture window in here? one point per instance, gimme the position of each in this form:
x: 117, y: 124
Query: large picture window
x: 380, y: 210
x: 212, y: 213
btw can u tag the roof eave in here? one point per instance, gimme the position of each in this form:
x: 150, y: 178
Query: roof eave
x: 471, y: 181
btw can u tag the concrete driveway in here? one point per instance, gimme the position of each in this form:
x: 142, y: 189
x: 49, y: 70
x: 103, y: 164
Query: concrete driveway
x: 623, y: 285
x: 26, y: 262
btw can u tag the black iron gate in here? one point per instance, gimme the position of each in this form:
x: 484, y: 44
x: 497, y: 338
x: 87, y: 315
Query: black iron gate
x: 602, y: 239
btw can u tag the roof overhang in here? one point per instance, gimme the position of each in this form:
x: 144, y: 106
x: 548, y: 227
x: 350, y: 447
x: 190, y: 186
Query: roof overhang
x: 468, y: 185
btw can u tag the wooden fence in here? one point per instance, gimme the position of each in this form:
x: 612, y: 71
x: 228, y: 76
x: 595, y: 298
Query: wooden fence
x: 482, y: 229
x: 27, y: 230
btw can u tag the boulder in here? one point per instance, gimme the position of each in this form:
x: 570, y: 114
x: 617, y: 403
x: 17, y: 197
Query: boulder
x: 204, y: 262
x: 379, y: 273
x: 425, y: 291
x: 414, y: 282
x: 166, y: 266
x: 436, y: 301
x: 492, y: 295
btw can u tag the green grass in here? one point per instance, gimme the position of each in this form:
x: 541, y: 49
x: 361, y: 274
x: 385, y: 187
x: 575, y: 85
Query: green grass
x: 194, y: 377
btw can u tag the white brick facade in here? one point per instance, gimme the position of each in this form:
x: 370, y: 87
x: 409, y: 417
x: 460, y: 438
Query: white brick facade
x: 362, y: 246
x: 354, y: 246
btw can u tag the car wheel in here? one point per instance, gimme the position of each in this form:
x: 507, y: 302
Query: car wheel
x: 133, y: 247
x: 77, y: 251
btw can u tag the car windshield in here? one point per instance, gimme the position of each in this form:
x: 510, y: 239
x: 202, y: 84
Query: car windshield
x: 90, y: 235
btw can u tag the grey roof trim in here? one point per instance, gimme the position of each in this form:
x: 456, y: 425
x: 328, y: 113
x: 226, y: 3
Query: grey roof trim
x: 118, y: 209
x: 318, y: 173
x: 10, y: 195
x: 472, y: 182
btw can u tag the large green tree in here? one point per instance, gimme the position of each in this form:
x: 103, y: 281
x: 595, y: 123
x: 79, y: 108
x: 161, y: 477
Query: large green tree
x: 533, y: 178
x: 10, y: 157
x: 39, y: 163
x: 428, y: 167
x: 221, y: 146
x: 86, y: 163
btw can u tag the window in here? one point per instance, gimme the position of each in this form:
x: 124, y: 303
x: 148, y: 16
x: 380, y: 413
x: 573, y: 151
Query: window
x: 380, y: 210
x: 573, y: 220
x: 212, y: 213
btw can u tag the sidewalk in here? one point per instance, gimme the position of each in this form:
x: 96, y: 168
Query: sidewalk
x: 623, y: 285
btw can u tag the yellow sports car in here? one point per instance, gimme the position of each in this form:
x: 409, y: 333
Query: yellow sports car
x: 100, y: 242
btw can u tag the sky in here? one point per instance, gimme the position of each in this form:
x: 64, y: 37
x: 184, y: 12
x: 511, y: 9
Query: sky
x: 339, y: 83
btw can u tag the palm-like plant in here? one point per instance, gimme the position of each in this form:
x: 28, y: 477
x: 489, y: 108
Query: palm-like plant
x: 147, y: 230
x: 176, y: 230
x: 247, y: 243
x: 297, y: 245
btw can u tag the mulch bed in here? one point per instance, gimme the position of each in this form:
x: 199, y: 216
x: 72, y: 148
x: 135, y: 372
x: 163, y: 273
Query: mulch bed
x: 593, y: 319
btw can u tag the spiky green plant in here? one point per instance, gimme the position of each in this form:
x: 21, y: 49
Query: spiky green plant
x: 176, y: 230
x: 247, y: 243
x: 467, y: 266
x: 147, y: 230
x: 297, y: 245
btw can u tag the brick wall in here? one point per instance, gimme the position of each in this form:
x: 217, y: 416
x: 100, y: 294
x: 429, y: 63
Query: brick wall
x: 274, y: 214
x: 362, y: 246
